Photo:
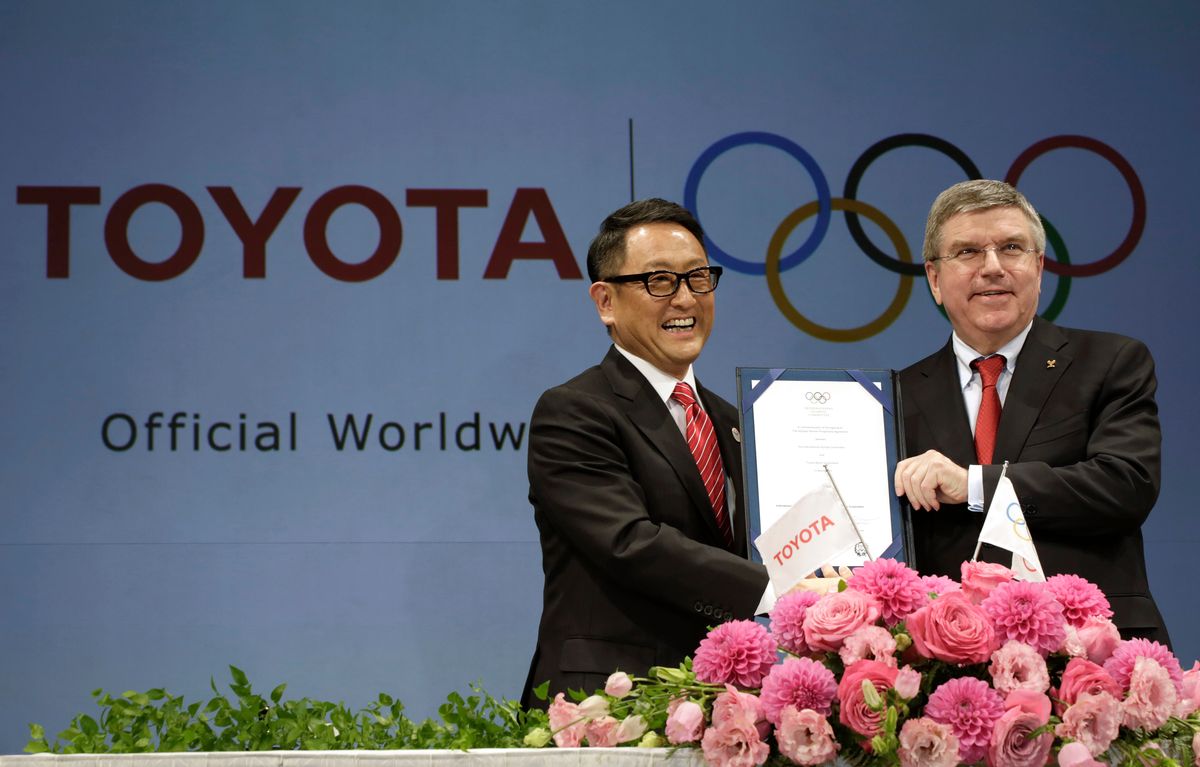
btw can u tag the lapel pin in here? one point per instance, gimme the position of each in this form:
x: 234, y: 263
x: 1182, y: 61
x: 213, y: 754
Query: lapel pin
x: 737, y: 435
x: 1050, y: 364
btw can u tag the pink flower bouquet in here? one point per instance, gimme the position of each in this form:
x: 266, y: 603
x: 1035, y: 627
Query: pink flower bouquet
x: 900, y: 670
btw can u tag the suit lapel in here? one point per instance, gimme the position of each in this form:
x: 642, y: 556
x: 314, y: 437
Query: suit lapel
x: 940, y: 402
x: 1033, y: 380
x: 650, y: 415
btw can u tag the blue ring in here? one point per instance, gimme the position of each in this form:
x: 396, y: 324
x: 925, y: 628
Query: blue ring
x: 824, y: 200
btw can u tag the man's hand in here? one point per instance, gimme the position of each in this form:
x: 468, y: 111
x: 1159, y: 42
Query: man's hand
x: 931, y: 479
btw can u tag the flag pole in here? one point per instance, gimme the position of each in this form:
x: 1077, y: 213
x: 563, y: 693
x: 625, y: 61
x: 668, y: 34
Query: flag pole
x: 849, y: 516
x: 978, y: 543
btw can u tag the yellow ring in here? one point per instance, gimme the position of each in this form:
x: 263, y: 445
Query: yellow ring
x: 841, y: 335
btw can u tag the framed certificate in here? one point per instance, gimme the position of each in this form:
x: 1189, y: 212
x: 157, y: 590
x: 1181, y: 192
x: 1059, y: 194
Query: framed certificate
x: 805, y: 427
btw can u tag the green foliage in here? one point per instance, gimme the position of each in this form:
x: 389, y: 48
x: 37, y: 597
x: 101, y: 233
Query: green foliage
x: 139, y: 722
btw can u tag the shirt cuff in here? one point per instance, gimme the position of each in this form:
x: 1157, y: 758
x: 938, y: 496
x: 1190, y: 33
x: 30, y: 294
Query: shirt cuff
x: 975, y: 488
x: 767, y: 603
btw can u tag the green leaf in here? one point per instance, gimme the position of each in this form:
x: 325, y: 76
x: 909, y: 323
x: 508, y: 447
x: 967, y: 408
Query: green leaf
x: 277, y: 693
x: 239, y: 676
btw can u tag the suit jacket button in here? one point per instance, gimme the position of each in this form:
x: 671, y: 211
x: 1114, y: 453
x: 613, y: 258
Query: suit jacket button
x: 698, y: 607
x: 728, y: 615
x: 708, y: 610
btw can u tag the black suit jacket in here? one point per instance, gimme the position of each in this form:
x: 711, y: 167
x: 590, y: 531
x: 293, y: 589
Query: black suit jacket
x: 1080, y: 430
x: 635, y: 567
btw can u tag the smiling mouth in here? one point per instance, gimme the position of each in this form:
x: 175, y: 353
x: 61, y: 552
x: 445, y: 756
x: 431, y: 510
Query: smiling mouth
x: 681, y: 324
x: 990, y: 293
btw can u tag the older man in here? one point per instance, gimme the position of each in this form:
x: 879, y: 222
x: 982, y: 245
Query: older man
x: 634, y: 470
x: 1072, y: 411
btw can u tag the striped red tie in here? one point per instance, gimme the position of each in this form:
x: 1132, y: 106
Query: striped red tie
x: 988, y: 420
x: 702, y: 441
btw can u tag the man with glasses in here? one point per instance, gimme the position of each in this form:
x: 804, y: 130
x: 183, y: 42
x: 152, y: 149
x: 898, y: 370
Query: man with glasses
x: 635, y: 471
x: 1071, y: 411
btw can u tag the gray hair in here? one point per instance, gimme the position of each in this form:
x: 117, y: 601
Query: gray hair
x: 980, y: 194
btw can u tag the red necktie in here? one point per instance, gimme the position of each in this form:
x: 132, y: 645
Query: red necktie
x: 702, y: 441
x: 988, y: 419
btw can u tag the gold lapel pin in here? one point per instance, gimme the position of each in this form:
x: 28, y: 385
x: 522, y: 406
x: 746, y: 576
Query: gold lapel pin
x: 1050, y: 364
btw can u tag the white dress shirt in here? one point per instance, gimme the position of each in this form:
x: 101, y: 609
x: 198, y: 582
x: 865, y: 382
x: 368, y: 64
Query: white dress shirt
x: 972, y: 390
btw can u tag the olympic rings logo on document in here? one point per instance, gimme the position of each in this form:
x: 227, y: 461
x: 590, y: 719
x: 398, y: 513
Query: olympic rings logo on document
x: 819, y: 397
x: 902, y: 262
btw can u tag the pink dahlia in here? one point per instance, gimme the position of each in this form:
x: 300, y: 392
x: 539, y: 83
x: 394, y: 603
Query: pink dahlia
x: 939, y: 584
x: 897, y: 587
x: 971, y: 708
x: 1018, y: 666
x: 799, y: 682
x: 1120, y: 664
x: 1081, y: 599
x: 787, y: 620
x: 1027, y: 612
x: 738, y: 652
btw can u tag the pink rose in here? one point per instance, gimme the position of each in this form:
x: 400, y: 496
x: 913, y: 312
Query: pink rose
x: 1076, y: 755
x: 805, y: 737
x: 1099, y: 637
x: 567, y: 724
x: 1189, y: 698
x: 1030, y: 702
x: 926, y: 743
x: 1016, y: 665
x: 1093, y: 720
x: 618, y: 684
x: 602, y: 732
x: 1011, y: 744
x: 908, y: 683
x: 1082, y: 676
x: 854, y: 711
x: 685, y: 722
x: 979, y: 578
x: 828, y: 622
x: 952, y: 629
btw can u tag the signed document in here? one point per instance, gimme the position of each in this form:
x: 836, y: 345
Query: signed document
x: 805, y: 429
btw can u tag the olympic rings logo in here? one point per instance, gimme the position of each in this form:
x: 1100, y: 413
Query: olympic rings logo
x: 819, y: 397
x: 902, y: 262
x: 1020, y: 529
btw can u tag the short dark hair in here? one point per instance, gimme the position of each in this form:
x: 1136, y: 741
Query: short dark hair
x: 607, y: 251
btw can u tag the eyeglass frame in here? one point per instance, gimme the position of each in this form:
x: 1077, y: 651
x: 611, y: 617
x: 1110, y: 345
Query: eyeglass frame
x: 982, y: 252
x: 714, y: 273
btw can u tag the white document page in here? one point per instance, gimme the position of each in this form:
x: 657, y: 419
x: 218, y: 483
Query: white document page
x: 800, y: 427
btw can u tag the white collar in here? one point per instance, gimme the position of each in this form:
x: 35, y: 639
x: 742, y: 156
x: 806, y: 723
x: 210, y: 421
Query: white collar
x: 966, y: 355
x: 663, y: 383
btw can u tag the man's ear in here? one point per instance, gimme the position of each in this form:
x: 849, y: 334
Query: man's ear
x: 932, y: 274
x: 602, y: 297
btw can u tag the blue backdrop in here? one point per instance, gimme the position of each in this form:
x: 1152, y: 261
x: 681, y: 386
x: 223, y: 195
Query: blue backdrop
x: 290, y: 218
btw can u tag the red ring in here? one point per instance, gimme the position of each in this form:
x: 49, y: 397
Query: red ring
x: 1136, y: 226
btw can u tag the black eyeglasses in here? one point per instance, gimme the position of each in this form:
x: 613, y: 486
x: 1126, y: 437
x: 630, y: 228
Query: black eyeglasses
x: 662, y: 283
